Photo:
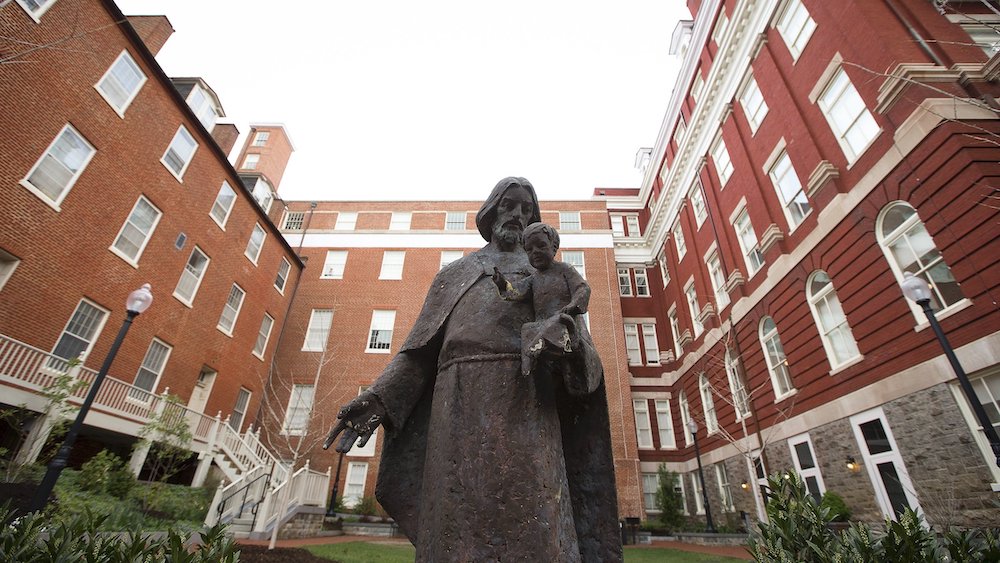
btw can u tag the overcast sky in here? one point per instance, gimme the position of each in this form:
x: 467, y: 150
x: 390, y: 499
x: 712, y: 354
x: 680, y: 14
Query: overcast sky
x: 436, y: 99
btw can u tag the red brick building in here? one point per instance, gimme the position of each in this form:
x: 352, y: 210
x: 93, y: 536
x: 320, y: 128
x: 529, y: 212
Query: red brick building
x: 811, y: 153
x: 113, y: 176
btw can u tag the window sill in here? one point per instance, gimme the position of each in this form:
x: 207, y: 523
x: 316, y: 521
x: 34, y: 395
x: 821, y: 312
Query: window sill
x: 856, y: 360
x: 252, y: 260
x: 944, y: 313
x: 851, y: 162
x: 183, y: 301
x: 792, y: 393
x: 134, y: 263
x: 224, y: 331
x: 40, y: 195
x: 178, y: 177
x: 668, y: 448
x: 280, y: 290
x: 378, y: 351
x: 647, y: 448
x: 258, y: 356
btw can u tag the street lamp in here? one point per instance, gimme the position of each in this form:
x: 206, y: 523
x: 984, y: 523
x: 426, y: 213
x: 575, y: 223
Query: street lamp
x: 918, y: 290
x: 709, y: 527
x: 331, y: 507
x: 138, y: 301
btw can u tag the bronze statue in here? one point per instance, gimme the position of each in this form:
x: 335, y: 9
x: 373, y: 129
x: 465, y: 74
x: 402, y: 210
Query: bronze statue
x: 480, y: 462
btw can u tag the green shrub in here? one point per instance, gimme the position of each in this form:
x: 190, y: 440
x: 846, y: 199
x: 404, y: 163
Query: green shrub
x: 839, y: 512
x: 79, y: 539
x: 106, y: 473
x: 366, y: 508
x: 669, y: 499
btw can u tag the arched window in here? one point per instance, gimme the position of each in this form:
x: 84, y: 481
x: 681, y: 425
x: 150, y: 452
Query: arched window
x: 838, y: 340
x: 909, y: 248
x: 774, y: 354
x: 682, y: 401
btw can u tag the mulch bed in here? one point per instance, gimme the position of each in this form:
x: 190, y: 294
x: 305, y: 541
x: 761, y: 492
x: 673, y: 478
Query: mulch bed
x: 260, y: 554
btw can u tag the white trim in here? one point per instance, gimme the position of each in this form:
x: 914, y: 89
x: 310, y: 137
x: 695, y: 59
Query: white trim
x: 134, y: 260
x: 179, y: 175
x: 55, y: 203
x: 229, y: 210
x: 267, y: 337
x: 194, y: 292
x: 871, y: 461
x: 37, y: 16
x: 132, y: 95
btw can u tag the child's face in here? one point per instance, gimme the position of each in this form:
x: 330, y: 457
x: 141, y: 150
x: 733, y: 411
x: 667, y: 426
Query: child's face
x: 540, y: 251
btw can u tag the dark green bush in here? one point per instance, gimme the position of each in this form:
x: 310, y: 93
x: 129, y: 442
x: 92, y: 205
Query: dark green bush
x: 669, y: 500
x: 839, y: 512
x: 78, y: 539
x: 106, y: 473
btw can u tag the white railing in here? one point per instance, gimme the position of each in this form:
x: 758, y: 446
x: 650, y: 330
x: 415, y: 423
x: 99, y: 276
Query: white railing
x: 305, y: 487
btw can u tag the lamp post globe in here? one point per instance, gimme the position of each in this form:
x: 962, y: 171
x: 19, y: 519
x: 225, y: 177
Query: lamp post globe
x: 138, y: 301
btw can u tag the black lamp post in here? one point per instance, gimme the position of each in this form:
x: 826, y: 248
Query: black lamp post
x: 709, y: 527
x: 918, y: 290
x: 330, y: 508
x: 138, y: 301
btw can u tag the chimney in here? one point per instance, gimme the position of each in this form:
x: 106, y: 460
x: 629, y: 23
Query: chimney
x: 154, y: 30
x: 225, y: 135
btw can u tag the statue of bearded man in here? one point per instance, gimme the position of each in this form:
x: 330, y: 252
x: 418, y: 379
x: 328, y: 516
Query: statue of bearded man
x: 482, y: 463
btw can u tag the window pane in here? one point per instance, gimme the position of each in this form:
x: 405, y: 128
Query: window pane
x: 875, y: 437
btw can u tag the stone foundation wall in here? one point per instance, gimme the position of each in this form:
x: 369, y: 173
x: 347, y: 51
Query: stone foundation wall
x: 306, y: 523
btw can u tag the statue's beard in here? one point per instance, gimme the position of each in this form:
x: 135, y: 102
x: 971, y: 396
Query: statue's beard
x: 505, y: 236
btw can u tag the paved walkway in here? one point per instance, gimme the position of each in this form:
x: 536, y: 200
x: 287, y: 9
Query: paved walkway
x: 725, y: 551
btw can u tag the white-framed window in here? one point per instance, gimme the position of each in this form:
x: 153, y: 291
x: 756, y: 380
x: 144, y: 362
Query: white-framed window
x: 255, y: 243
x: 392, y: 265
x: 804, y: 458
x: 191, y: 276
x: 679, y: 489
x: 723, y: 164
x: 749, y: 246
x: 121, y: 83
x: 281, y: 277
x: 575, y: 258
x: 203, y: 106
x: 650, y: 484
x: 708, y: 404
x: 664, y: 269
x: 643, y: 429
x: 632, y: 223
x: 250, y: 161
x: 294, y: 220
x: 263, y: 194
x: 718, y: 279
x: 59, y: 167
x: 680, y: 130
x: 36, y: 8
x: 318, y: 331
x: 699, y: 504
x: 725, y: 491
x: 641, y: 283
x: 449, y: 256
x: 679, y: 244
x: 777, y: 363
x: 380, y: 333
x: 848, y: 116
x: 697, y: 86
x: 333, y: 267
x: 231, y: 309
x: 987, y: 389
x: 569, y: 221
x: 691, y: 294
x: 893, y: 488
x: 632, y: 344
x: 239, y: 409
x: 263, y: 335
x: 354, y: 484
x: 983, y: 30
x: 838, y: 340
x: 455, y: 221
x: 790, y: 192
x: 698, y: 205
x: 136, y: 231
x: 150, y: 370
x: 753, y: 103
x: 223, y: 205
x: 400, y: 221
x: 909, y: 248
x: 796, y: 27
x: 738, y: 387
x: 675, y: 329
x: 81, y: 331
x: 346, y: 221
x: 299, y: 410
x: 179, y: 153
x: 260, y: 138
x: 624, y: 282
x: 665, y: 425
x: 649, y: 345
x: 8, y: 263
x: 618, y: 225
x: 682, y: 402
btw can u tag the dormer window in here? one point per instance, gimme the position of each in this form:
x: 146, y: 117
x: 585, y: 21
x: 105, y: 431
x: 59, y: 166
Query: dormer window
x: 203, y: 106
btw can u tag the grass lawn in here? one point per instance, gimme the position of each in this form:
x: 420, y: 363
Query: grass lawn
x: 364, y: 552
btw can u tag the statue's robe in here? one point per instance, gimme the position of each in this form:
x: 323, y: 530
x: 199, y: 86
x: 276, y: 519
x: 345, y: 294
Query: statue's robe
x: 483, y: 463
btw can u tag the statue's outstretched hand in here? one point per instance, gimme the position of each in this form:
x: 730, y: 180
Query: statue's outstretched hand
x: 357, y: 420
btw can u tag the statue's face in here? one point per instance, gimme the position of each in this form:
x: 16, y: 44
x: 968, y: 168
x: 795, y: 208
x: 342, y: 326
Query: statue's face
x: 539, y: 249
x: 513, y: 213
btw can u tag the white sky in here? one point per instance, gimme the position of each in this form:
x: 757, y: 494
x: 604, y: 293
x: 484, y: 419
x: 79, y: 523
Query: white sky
x: 399, y: 99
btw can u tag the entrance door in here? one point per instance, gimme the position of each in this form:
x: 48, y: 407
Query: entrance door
x: 893, y: 488
x: 202, y: 389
